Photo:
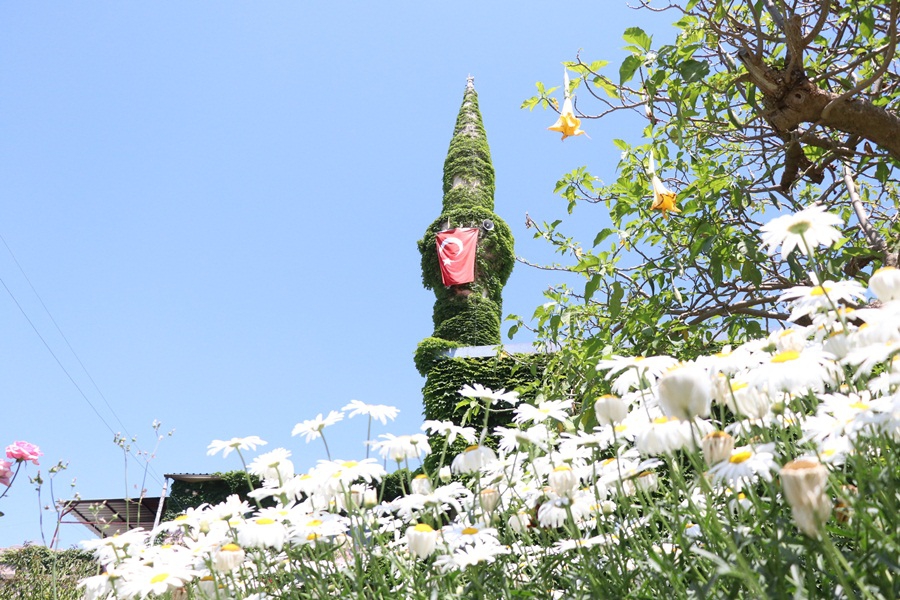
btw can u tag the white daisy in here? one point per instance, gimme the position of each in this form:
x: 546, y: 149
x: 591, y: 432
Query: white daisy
x: 805, y: 230
x: 745, y: 466
x: 376, y: 412
x: 312, y: 428
x: 634, y: 372
x: 245, y: 443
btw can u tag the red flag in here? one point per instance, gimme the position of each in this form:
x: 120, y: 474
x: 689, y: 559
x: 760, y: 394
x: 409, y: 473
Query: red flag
x: 456, y: 254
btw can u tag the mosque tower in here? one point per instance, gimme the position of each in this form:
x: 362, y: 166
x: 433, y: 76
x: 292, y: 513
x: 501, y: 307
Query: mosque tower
x: 466, y: 313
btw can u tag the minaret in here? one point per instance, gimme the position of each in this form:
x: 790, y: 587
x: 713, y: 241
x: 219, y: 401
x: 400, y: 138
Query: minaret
x: 469, y: 314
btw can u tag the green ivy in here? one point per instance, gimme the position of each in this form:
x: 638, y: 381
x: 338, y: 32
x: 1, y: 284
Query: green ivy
x: 44, y: 573
x: 475, y: 321
x: 518, y: 372
x: 186, y: 495
x: 429, y: 351
x: 469, y: 156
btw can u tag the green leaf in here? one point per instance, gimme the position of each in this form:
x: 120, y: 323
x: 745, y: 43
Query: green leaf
x: 637, y: 36
x: 629, y: 67
x: 615, y: 300
x: 608, y: 86
x: 591, y: 286
x: 602, y: 235
x: 867, y: 23
x: 512, y: 331
x: 693, y: 70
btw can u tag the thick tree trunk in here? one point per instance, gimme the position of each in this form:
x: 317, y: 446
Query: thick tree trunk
x: 792, y: 100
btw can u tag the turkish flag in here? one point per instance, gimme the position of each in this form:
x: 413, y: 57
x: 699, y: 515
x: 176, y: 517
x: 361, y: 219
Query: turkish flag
x: 456, y: 254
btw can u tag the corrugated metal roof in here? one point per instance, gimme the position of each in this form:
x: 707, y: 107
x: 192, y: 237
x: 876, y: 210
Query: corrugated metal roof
x: 111, y: 516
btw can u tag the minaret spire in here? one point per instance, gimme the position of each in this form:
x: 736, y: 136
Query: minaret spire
x: 469, y: 314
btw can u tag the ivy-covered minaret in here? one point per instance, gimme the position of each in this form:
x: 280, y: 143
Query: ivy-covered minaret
x: 468, y: 314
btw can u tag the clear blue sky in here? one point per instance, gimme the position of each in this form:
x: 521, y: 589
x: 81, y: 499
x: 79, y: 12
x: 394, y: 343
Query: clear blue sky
x: 219, y: 205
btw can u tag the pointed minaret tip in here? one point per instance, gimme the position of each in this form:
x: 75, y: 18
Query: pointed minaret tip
x: 470, y: 82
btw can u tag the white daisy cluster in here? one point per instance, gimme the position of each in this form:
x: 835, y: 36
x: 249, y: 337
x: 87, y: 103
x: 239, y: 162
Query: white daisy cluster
x: 728, y: 440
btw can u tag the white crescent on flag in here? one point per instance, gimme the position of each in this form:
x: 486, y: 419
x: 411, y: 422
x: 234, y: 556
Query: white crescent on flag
x: 459, y: 249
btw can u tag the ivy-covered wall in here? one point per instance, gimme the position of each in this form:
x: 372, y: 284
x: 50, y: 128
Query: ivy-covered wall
x: 184, y: 494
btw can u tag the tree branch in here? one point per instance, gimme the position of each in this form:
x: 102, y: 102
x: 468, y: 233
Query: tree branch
x: 875, y: 240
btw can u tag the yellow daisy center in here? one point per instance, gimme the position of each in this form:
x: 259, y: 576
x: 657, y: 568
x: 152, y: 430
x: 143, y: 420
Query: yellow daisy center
x: 159, y: 578
x: 786, y: 356
x: 740, y: 457
x: 424, y: 528
x: 469, y: 531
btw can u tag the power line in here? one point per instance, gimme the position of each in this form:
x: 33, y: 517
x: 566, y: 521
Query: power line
x: 61, y: 366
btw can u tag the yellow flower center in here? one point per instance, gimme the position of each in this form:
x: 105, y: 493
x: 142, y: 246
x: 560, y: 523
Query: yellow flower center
x: 469, y: 531
x: 230, y: 548
x: 562, y: 468
x: 349, y: 464
x: 884, y: 270
x: 736, y: 387
x: 423, y: 476
x: 664, y: 420
x: 181, y: 518
x: 314, y: 523
x: 423, y: 527
x: 471, y: 448
x: 786, y: 356
x: 740, y: 457
x: 819, y: 290
x: 159, y: 578
x: 264, y: 521
x: 799, y: 228
x: 620, y: 429
x: 860, y: 406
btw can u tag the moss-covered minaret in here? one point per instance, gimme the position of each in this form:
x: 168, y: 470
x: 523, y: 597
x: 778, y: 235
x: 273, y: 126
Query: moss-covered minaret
x: 469, y: 315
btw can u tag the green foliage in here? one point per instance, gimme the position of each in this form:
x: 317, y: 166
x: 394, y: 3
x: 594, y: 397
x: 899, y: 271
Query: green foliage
x: 396, y: 484
x: 520, y: 372
x: 186, y: 495
x: 723, y: 140
x: 429, y: 351
x: 469, y: 157
x: 42, y: 573
x: 471, y: 321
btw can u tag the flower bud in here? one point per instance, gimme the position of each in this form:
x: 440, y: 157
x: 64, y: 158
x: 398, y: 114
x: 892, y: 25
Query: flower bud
x: 445, y: 475
x: 609, y: 410
x: 717, y: 446
x: 229, y: 557
x: 489, y: 499
x: 562, y: 480
x: 803, y: 481
x: 421, y: 540
x: 421, y: 485
x: 885, y: 283
x: 685, y: 392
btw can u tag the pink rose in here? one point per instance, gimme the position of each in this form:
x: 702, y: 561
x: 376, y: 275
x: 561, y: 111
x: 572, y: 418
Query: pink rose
x: 5, y: 472
x: 23, y: 451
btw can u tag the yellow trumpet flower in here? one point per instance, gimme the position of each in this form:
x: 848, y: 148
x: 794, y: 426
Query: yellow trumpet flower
x: 567, y: 124
x: 663, y: 198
